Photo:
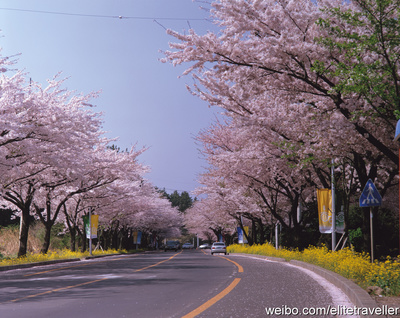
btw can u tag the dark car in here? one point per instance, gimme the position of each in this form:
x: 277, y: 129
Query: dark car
x: 172, y: 245
x: 187, y: 246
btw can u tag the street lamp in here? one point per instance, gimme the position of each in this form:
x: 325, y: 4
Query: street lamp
x: 333, y: 207
x: 396, y: 138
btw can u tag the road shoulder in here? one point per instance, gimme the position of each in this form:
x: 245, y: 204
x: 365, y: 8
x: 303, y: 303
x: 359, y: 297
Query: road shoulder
x: 358, y: 296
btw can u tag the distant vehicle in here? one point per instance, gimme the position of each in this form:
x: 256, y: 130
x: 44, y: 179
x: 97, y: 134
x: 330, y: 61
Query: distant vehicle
x: 172, y: 245
x: 187, y: 246
x: 205, y: 246
x: 218, y: 247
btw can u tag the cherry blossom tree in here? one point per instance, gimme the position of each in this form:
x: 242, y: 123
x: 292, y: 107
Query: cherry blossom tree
x: 281, y: 89
x: 265, y: 191
x: 210, y: 219
x: 56, y: 164
x: 19, y: 126
x: 137, y: 207
x: 100, y: 168
x: 272, y: 46
x: 60, y: 131
x: 367, y: 32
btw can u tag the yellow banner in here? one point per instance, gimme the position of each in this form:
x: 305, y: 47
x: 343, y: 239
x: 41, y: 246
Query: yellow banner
x: 324, y: 198
x: 95, y: 225
x: 94, y: 222
x: 246, y: 229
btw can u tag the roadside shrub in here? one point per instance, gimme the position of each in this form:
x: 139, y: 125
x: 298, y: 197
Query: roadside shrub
x: 52, y: 255
x: 352, y: 265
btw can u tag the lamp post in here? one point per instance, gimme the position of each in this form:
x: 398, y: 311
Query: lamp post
x: 333, y: 207
x: 277, y: 235
x: 396, y: 138
x: 90, y: 232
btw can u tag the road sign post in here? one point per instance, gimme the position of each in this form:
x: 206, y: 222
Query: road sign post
x: 333, y: 207
x: 90, y: 232
x: 371, y: 227
x: 370, y: 197
x: 397, y: 138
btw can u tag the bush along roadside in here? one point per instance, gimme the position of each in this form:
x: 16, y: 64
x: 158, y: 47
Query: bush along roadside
x: 347, y: 263
x: 53, y: 255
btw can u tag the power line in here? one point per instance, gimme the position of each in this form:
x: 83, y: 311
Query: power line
x: 103, y: 16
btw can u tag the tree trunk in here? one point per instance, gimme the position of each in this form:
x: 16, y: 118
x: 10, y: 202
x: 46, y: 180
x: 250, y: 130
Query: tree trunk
x: 72, y: 242
x: 261, y: 229
x: 83, y: 236
x: 121, y: 236
x: 23, y: 232
x: 46, y: 240
x: 253, y: 231
x: 71, y: 228
x: 48, y: 223
x: 24, y: 206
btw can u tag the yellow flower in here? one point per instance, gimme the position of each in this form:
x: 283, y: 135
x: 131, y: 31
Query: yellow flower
x: 52, y: 255
x: 352, y: 265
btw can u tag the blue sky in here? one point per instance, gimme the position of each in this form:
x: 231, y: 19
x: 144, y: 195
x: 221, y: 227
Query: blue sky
x: 143, y: 100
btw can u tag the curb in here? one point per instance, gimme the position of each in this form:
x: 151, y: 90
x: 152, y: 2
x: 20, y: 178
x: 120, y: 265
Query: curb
x: 269, y: 258
x: 29, y: 265
x: 100, y: 256
x: 358, y: 296
x: 56, y: 261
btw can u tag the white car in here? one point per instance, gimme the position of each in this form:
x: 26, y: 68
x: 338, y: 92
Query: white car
x: 187, y: 246
x: 218, y: 247
x: 205, y: 246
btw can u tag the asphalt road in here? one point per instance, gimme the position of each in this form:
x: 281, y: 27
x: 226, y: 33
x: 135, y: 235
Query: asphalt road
x: 187, y: 284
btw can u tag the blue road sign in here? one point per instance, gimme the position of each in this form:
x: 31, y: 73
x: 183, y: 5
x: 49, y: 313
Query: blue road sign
x: 370, y: 195
x: 397, y: 133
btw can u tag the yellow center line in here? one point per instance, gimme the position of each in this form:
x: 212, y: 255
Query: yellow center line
x: 55, y: 269
x: 166, y: 260
x: 81, y: 284
x: 213, y: 300
x: 66, y: 267
x: 240, y: 268
x: 218, y: 297
x: 56, y: 290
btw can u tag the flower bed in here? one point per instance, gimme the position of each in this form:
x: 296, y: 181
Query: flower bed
x: 53, y: 255
x: 352, y: 265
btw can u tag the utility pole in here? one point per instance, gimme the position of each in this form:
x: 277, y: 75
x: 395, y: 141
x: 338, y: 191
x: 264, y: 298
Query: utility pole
x: 333, y: 208
x: 277, y: 235
x: 90, y: 232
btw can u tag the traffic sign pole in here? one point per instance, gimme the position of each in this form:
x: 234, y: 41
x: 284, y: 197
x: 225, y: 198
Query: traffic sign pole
x: 370, y: 197
x: 90, y: 232
x: 397, y: 138
x: 371, y: 226
x: 333, y: 208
